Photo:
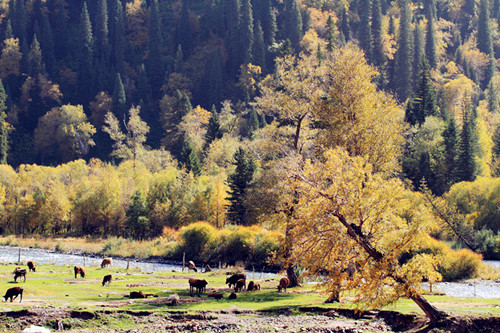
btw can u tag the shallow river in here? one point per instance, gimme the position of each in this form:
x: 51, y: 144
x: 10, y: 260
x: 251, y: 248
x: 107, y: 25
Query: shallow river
x: 473, y: 288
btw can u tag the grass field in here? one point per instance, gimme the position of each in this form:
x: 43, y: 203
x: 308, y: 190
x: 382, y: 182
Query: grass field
x: 55, y: 286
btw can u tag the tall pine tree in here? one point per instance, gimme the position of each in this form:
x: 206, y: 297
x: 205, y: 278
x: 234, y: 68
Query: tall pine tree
x: 451, y: 144
x: 467, y: 167
x: 293, y: 23
x: 4, y: 146
x: 430, y: 43
x: 365, y: 30
x: 404, y: 54
x: 86, y: 56
x: 239, y: 183
x: 246, y: 32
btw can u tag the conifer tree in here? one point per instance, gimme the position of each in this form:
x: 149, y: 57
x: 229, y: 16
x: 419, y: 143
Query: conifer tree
x: 253, y: 122
x: 184, y: 31
x: 213, y: 82
x: 35, y: 60
x: 259, y: 48
x: 466, y: 164
x: 425, y: 97
x: 155, y: 65
x: 496, y: 11
x: 101, y: 29
x: 239, y: 183
x: 137, y: 221
x: 365, y: 30
x: 492, y: 97
x: 484, y: 41
x: 119, y: 37
x: 231, y: 40
x: 344, y: 25
x: 430, y: 43
x: 179, y: 60
x: 214, y: 131
x: 47, y: 43
x: 451, y: 143
x: 330, y: 34
x: 119, y: 99
x: 61, y: 32
x: 269, y: 25
x: 246, y: 32
x: 430, y: 10
x: 189, y: 159
x: 404, y: 53
x: 86, y: 55
x: 418, y: 50
x: 377, y: 33
x: 19, y: 19
x: 293, y: 23
x: 8, y: 30
x: 4, y: 146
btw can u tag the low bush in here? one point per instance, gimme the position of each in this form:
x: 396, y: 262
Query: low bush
x: 198, y: 241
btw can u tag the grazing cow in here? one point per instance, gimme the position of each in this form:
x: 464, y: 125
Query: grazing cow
x: 19, y: 272
x: 106, y: 262
x: 200, y: 286
x: 192, y: 266
x: 234, y: 278
x: 232, y: 296
x: 284, y: 282
x: 216, y: 295
x: 31, y: 266
x: 107, y: 278
x: 173, y: 299
x: 253, y: 286
x: 240, y: 285
x: 12, y: 293
x: 139, y: 294
x: 79, y: 270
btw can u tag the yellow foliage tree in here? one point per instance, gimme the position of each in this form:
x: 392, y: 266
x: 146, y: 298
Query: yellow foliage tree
x: 10, y: 60
x: 351, y: 227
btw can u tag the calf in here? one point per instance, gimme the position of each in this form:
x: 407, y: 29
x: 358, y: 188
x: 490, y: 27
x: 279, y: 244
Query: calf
x: 253, y: 286
x: 284, y: 282
x: 18, y: 272
x: 31, y: 266
x: 79, y: 270
x: 216, y: 295
x: 200, y: 286
x: 240, y: 285
x: 234, y: 278
x: 107, y: 278
x: 232, y: 296
x: 12, y: 293
x: 192, y: 266
x: 106, y: 262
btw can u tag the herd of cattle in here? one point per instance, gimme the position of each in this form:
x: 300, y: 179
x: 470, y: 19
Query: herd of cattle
x: 236, y: 281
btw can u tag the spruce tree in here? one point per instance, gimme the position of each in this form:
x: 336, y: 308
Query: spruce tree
x: 404, y: 53
x: 213, y: 82
x: 330, y: 34
x: 61, y: 32
x: 293, y: 23
x: 430, y: 9
x: 425, y: 96
x: 214, y: 131
x: 47, y: 43
x: 451, y: 144
x: 86, y: 56
x: 484, y: 41
x: 231, y: 40
x: 35, y: 60
x: 101, y: 29
x: 239, y: 184
x: 466, y: 165
x: 155, y: 65
x: 137, y: 222
x: 119, y: 99
x: 259, y: 48
x: 189, y: 160
x: 496, y: 11
x: 377, y: 33
x: 430, y: 43
x: 253, y: 122
x: 269, y: 25
x: 119, y: 37
x: 492, y: 97
x: 179, y: 60
x: 418, y: 50
x: 344, y: 25
x: 4, y: 139
x: 246, y: 32
x: 365, y: 30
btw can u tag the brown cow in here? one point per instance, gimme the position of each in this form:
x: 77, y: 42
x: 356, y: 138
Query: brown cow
x: 106, y: 262
x: 234, y: 278
x: 107, y: 278
x: 253, y: 286
x: 192, y: 266
x: 284, y: 282
x: 18, y: 272
x: 139, y: 294
x: 200, y: 286
x: 216, y: 295
x: 12, y: 293
x: 79, y: 270
x: 240, y: 285
x: 232, y: 296
x: 31, y: 266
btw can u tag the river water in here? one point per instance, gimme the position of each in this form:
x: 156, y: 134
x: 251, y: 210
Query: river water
x: 471, y: 288
x: 11, y: 254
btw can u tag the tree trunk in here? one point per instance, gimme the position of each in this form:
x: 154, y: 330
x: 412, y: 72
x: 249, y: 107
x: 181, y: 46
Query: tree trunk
x: 290, y: 273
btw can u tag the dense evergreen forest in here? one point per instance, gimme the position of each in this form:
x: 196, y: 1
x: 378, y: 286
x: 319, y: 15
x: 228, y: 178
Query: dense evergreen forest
x: 129, y: 117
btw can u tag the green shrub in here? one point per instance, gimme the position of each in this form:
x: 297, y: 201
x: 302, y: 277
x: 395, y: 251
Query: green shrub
x: 267, y: 243
x: 198, y: 241
x: 237, y: 246
x: 488, y: 243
